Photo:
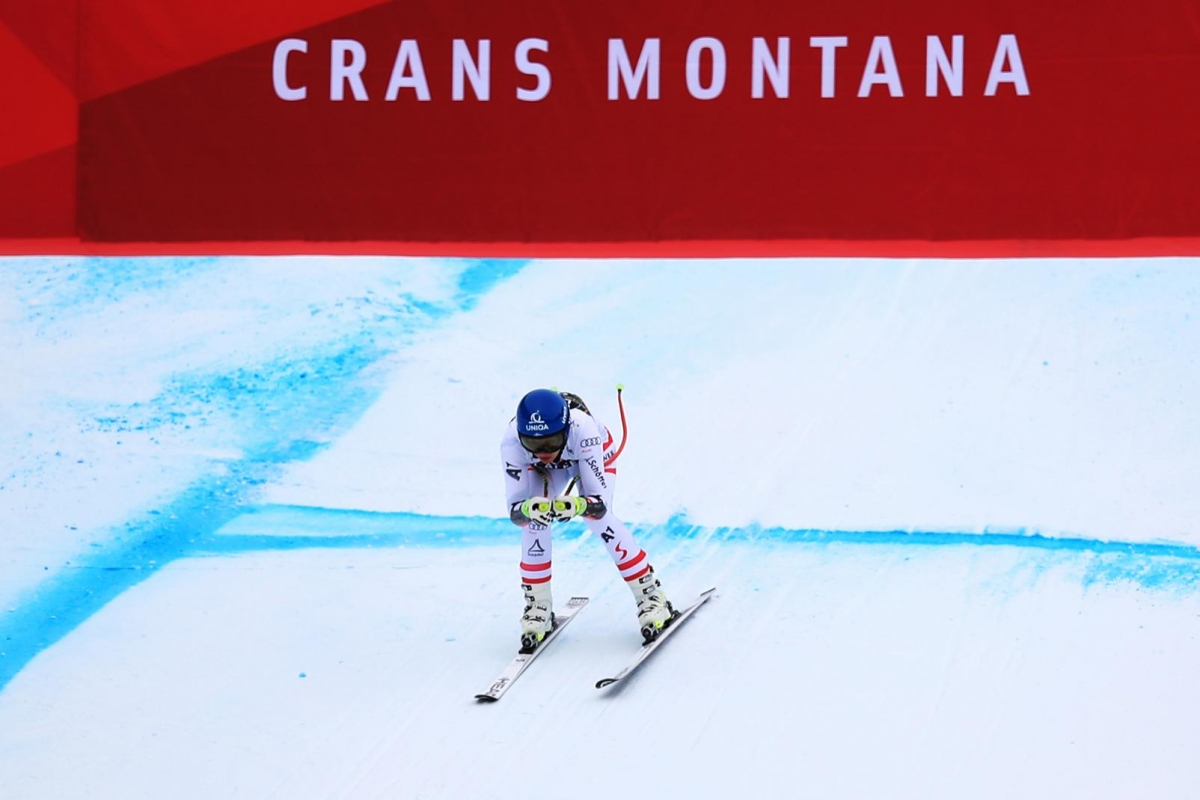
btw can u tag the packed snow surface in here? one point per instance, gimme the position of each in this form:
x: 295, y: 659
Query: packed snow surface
x: 255, y: 541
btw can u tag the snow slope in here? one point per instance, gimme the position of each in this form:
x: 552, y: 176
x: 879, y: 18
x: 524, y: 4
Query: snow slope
x: 252, y: 544
x: 862, y: 395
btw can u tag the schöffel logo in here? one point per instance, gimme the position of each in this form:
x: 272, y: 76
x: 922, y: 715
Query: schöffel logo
x: 596, y: 471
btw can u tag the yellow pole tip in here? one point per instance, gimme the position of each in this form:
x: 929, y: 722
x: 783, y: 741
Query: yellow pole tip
x: 620, y: 387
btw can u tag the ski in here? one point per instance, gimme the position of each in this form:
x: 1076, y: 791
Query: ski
x: 523, y: 660
x: 650, y: 647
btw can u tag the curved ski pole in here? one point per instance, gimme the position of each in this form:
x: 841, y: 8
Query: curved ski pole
x: 624, y: 427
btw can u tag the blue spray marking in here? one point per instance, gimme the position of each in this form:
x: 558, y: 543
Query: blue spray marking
x: 98, y: 281
x: 135, y: 552
x: 1153, y: 565
x: 209, y: 521
x: 479, y: 279
x: 276, y: 412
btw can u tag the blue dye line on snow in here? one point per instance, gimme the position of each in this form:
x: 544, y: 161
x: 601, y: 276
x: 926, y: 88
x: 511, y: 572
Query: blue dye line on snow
x: 138, y: 550
x: 309, y: 524
x: 210, y: 521
x: 1152, y: 565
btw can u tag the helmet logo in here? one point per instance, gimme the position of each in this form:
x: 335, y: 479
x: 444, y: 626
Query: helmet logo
x: 536, y: 424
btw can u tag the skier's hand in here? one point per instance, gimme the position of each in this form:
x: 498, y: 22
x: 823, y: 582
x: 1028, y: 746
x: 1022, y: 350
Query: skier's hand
x: 566, y: 507
x: 539, y: 510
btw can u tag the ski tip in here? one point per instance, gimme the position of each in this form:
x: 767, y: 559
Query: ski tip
x: 600, y: 684
x: 486, y: 698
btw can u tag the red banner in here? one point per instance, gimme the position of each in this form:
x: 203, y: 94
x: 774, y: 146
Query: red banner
x: 539, y: 122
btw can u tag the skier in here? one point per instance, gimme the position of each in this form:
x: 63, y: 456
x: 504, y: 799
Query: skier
x: 552, y: 443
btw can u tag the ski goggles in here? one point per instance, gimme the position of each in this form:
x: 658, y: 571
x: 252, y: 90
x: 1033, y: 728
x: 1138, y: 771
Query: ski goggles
x: 544, y: 444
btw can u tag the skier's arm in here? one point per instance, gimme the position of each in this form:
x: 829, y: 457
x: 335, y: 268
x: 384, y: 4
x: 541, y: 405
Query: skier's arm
x: 593, y: 484
x: 522, y: 486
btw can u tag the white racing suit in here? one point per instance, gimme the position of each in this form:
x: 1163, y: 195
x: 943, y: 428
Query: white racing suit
x: 587, y: 456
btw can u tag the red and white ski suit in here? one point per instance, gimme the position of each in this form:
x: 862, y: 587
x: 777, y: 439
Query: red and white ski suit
x: 587, y: 457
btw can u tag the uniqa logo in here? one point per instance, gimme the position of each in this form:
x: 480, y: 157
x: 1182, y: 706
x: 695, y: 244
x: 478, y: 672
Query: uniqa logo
x: 536, y: 417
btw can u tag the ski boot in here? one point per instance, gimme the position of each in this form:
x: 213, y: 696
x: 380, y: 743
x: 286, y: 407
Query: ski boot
x: 538, y: 618
x: 655, y: 611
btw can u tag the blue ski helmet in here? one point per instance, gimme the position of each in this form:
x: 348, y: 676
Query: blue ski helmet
x: 542, y: 419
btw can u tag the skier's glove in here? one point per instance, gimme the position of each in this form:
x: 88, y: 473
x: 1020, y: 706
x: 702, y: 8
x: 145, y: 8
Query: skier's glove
x: 539, y: 510
x: 567, y: 507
